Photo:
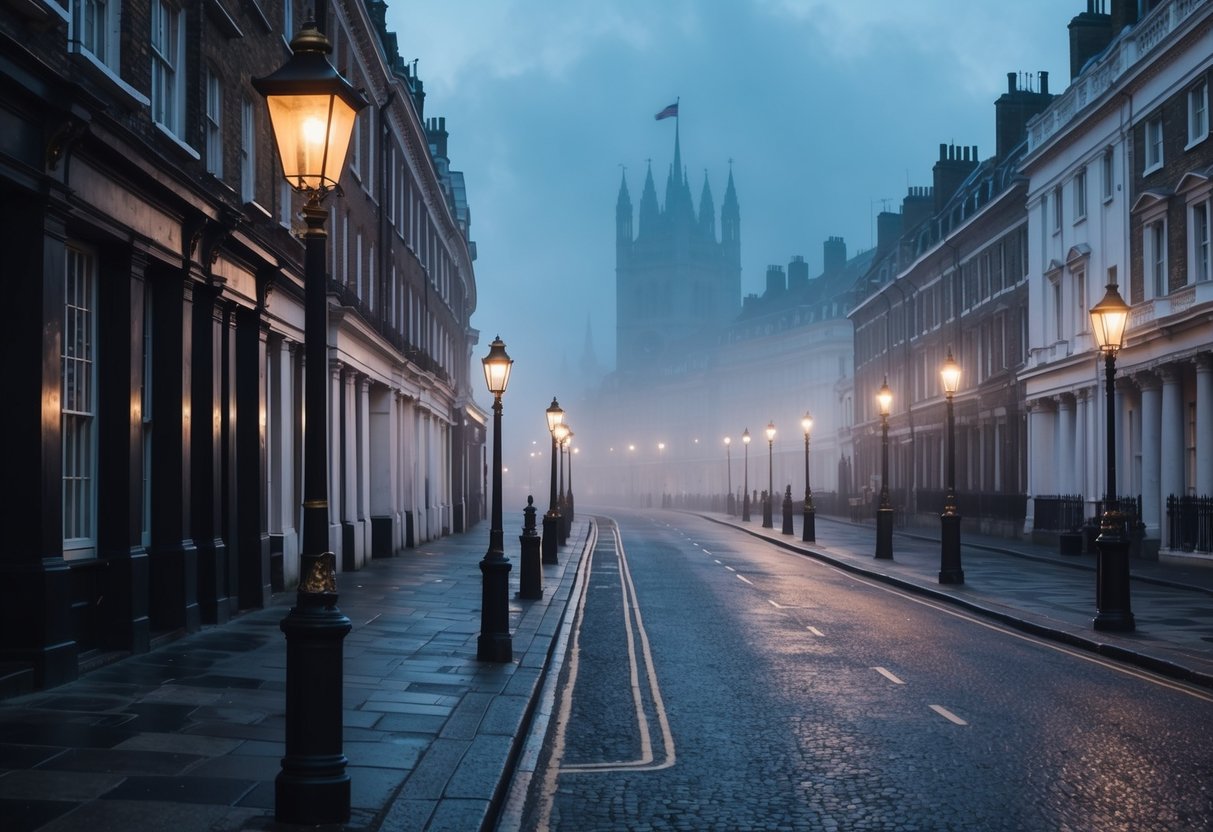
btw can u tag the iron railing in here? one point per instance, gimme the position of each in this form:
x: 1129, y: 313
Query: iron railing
x: 1190, y: 524
x: 1058, y: 512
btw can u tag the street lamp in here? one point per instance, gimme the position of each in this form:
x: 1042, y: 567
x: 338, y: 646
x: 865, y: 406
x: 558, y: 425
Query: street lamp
x: 884, y: 511
x: 1109, y: 320
x: 949, y: 522
x: 767, y: 520
x: 810, y: 515
x: 551, y: 520
x: 728, y: 463
x: 745, y: 494
x: 312, y: 111
x: 494, y: 643
x: 561, y: 433
x: 568, y: 444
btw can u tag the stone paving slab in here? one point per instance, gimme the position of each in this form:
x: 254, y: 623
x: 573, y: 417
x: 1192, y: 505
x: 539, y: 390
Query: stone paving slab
x: 190, y: 736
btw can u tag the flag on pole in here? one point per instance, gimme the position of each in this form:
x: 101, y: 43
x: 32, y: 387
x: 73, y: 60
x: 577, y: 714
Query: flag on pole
x: 668, y: 112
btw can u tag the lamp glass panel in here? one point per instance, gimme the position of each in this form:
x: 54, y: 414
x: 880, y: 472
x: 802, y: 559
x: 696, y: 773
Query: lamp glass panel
x: 313, y: 136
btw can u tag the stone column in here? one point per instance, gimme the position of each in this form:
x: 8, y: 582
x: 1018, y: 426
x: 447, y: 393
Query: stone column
x: 334, y: 461
x: 1151, y: 466
x: 1204, y: 425
x: 362, y: 494
x: 1066, y: 469
x: 1040, y: 454
x: 1172, y: 435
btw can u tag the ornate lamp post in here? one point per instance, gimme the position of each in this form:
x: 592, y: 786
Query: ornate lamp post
x: 949, y: 522
x: 884, y: 511
x: 810, y: 515
x: 570, y: 450
x: 767, y: 520
x: 745, y: 494
x: 1109, y: 320
x: 551, y: 520
x: 312, y: 111
x: 494, y: 643
x: 561, y: 433
x: 728, y: 467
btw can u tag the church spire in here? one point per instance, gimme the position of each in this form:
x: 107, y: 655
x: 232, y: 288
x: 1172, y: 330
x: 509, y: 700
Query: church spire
x: 623, y: 211
x: 730, y: 219
x: 707, y: 210
x: 649, y: 211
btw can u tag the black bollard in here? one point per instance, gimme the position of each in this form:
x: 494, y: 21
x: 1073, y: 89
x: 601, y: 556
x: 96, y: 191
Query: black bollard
x: 530, y: 574
x: 787, y: 511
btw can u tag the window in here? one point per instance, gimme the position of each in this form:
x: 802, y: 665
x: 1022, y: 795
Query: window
x: 1198, y: 233
x: 1198, y: 113
x: 1055, y: 297
x: 168, y: 36
x: 79, y: 403
x: 146, y: 408
x: 288, y: 19
x: 1056, y: 210
x: 214, y: 125
x: 1080, y: 195
x: 248, y: 149
x: 1108, y: 175
x: 1153, y: 144
x: 1081, y: 315
x: 1155, y: 256
x: 95, y: 28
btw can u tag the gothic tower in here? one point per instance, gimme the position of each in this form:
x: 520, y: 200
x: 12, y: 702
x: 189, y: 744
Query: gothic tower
x: 675, y: 282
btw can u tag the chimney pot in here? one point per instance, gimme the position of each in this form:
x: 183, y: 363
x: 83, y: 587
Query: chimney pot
x: 1044, y: 82
x: 1010, y: 82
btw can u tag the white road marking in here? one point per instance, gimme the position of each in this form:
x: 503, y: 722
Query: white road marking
x: 775, y: 604
x: 714, y: 559
x: 706, y: 552
x: 731, y: 569
x: 744, y: 578
x: 888, y: 675
x: 646, y: 761
x: 816, y: 632
x: 948, y: 715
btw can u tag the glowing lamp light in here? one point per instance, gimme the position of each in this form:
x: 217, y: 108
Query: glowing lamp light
x: 770, y: 431
x: 807, y: 422
x: 312, y: 111
x: 1109, y: 320
x: 950, y: 374
x: 884, y: 398
x: 555, y: 415
x: 497, y: 367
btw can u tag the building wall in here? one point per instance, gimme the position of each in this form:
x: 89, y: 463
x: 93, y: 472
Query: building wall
x: 157, y: 367
x: 1163, y: 398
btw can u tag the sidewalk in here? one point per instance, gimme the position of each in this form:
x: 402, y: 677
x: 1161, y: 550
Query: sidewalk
x: 1032, y: 588
x: 189, y: 737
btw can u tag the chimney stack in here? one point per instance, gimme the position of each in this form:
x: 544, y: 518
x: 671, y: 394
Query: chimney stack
x: 835, y: 255
x: 1090, y: 34
x: 798, y: 274
x: 1015, y: 108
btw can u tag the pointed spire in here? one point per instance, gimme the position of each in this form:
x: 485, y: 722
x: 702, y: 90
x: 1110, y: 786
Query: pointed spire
x: 707, y: 209
x: 624, y: 199
x: 623, y: 211
x: 730, y: 216
x: 649, y: 212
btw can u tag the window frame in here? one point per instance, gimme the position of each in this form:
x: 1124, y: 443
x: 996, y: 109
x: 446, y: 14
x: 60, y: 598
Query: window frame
x: 1109, y: 175
x: 1198, y: 113
x: 212, y: 118
x: 78, y: 466
x: 248, y: 151
x: 168, y: 67
x: 1154, y: 255
x: 1153, y: 141
x: 1079, y: 194
x: 1200, y: 240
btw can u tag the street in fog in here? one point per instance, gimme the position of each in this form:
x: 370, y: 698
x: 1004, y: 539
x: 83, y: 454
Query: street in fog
x: 715, y: 681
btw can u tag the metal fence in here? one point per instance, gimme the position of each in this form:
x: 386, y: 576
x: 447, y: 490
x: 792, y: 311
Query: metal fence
x: 1058, y: 512
x: 1012, y: 507
x: 1190, y: 524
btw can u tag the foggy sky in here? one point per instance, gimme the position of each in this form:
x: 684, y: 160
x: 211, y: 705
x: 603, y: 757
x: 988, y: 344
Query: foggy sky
x: 829, y: 109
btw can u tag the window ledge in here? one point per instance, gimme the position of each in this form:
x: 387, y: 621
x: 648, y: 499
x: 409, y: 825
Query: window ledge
x: 43, y: 12
x: 169, y: 134
x: 128, y: 95
x: 254, y: 210
x: 1080, y: 220
x: 1194, y: 142
x: 1151, y: 169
